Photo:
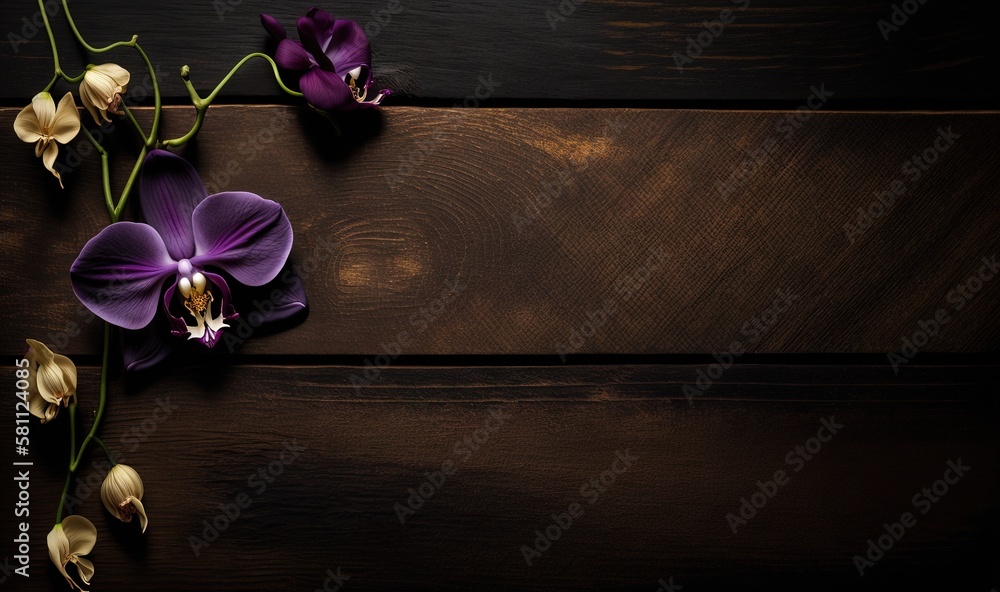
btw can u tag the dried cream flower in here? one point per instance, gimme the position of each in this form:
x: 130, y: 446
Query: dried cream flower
x: 42, y: 124
x: 51, y: 380
x: 67, y: 541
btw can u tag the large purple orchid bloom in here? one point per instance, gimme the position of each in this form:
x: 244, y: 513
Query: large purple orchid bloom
x: 189, y: 240
x: 335, y: 56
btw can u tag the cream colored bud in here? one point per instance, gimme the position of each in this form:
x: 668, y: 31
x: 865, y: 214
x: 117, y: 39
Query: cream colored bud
x: 102, y: 88
x: 122, y: 492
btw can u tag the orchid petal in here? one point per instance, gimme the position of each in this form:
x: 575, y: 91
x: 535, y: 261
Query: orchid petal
x: 119, y: 272
x: 146, y: 347
x: 324, y: 22
x: 243, y: 234
x: 26, y: 125
x: 141, y: 511
x: 81, y: 534
x: 45, y: 109
x: 170, y: 190
x: 282, y: 297
x: 325, y: 90
x: 292, y: 56
x: 272, y: 26
x: 86, y: 569
x: 49, y: 160
x: 349, y: 48
x: 314, y: 39
x: 66, y: 121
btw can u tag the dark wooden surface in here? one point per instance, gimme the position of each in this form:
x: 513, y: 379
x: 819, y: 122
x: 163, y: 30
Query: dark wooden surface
x: 533, y: 266
x: 663, y: 517
x: 543, y: 217
x: 773, y: 51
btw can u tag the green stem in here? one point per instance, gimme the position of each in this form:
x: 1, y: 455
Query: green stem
x: 107, y: 453
x: 77, y: 456
x: 202, y: 104
x: 116, y: 214
x: 79, y: 37
x: 48, y: 87
x: 62, y: 499
x: 102, y: 401
x: 72, y: 430
x: 52, y: 43
x: 135, y: 124
x: 105, y: 172
x: 150, y: 140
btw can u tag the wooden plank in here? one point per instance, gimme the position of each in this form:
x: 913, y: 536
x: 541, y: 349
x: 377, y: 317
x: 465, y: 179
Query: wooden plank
x: 771, y: 50
x: 553, y: 224
x: 665, y: 516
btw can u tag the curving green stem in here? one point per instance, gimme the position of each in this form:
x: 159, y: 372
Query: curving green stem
x: 75, y: 458
x: 105, y: 173
x: 58, y: 71
x: 102, y: 402
x: 202, y: 104
x: 135, y: 124
x: 150, y: 140
x: 117, y: 213
x: 107, y: 453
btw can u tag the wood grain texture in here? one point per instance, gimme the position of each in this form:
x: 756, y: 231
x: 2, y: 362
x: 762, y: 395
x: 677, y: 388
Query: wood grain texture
x: 665, y: 516
x: 609, y: 50
x: 591, y: 231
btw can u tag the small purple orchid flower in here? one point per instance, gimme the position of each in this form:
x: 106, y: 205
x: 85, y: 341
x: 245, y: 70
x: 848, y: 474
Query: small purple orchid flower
x: 334, y: 54
x: 190, y: 237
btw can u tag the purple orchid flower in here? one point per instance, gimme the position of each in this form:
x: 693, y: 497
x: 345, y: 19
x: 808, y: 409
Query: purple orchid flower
x: 190, y: 239
x: 335, y: 56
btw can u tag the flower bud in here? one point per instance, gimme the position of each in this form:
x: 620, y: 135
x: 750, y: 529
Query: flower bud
x: 101, y: 90
x: 121, y: 493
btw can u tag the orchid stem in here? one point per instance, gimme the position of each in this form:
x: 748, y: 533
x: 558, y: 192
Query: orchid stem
x: 102, y: 402
x: 135, y: 124
x: 77, y: 455
x: 116, y: 213
x: 150, y: 140
x: 202, y: 104
x: 105, y: 172
x: 107, y: 453
x: 62, y: 500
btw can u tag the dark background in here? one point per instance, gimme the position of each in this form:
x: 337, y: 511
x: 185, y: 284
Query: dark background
x: 583, y: 195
